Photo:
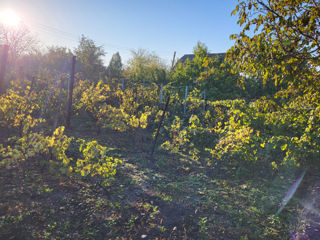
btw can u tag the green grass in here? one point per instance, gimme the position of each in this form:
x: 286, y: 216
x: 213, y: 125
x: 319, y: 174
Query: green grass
x: 167, y: 196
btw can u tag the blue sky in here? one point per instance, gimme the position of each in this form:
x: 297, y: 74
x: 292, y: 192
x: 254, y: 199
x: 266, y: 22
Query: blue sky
x: 161, y: 26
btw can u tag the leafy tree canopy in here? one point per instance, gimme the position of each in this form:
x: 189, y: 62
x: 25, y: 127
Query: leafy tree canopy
x: 114, y: 69
x: 213, y: 75
x: 89, y: 59
x: 146, y: 67
x: 279, y: 40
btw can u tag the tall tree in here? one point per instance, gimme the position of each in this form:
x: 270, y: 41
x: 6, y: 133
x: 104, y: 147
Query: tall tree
x: 57, y: 58
x: 213, y: 75
x: 146, y: 67
x: 114, y: 69
x: 280, y: 42
x: 89, y: 59
x: 21, y: 42
x: 186, y: 73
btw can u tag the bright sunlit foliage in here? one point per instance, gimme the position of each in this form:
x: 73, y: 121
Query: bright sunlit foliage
x: 9, y: 18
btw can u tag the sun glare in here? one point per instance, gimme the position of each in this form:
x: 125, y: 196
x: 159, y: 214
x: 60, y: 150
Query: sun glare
x: 9, y: 18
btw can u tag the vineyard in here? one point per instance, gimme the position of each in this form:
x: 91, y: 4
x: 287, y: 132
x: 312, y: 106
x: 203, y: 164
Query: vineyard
x: 223, y: 147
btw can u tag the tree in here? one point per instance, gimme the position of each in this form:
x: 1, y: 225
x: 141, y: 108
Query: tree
x: 114, y: 69
x: 89, y: 59
x: 54, y: 59
x: 19, y: 39
x: 57, y: 58
x: 187, y: 73
x: 279, y: 40
x: 208, y: 73
x: 146, y: 67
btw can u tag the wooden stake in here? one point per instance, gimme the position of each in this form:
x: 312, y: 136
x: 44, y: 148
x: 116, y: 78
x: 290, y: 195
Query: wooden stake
x: 161, y: 120
x: 4, y: 59
x: 173, y: 59
x: 69, y: 109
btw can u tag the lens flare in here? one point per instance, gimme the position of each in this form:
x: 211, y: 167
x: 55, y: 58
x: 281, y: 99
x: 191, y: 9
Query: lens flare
x: 9, y: 18
x: 291, y: 192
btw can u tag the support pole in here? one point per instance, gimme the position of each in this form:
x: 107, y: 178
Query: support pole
x: 158, y: 130
x: 4, y: 59
x: 161, y: 93
x: 185, y: 100
x: 69, y: 109
x: 173, y: 60
x: 56, y: 118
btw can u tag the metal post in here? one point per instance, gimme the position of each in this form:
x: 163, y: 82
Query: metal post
x: 185, y: 100
x: 161, y: 93
x: 56, y: 119
x: 69, y: 109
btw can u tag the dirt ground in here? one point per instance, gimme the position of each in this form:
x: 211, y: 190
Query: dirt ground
x: 161, y: 197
